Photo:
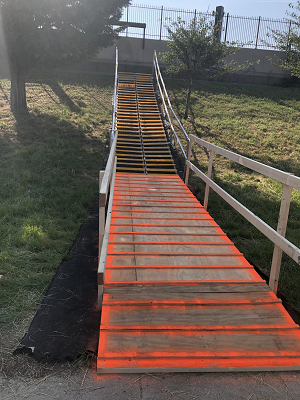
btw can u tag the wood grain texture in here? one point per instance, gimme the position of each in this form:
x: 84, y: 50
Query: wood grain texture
x: 178, y: 295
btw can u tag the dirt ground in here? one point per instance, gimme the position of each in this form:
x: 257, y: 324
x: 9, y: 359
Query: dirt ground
x: 25, y: 378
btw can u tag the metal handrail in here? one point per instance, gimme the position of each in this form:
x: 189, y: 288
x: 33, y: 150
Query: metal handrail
x: 164, y: 94
x: 114, y: 101
x: 289, y: 182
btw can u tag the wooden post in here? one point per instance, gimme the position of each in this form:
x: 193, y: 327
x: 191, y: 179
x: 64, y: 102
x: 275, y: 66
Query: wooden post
x: 104, y: 247
x: 100, y: 296
x: 187, y: 168
x: 281, y: 229
x: 101, y: 235
x: 101, y: 216
x: 210, y: 161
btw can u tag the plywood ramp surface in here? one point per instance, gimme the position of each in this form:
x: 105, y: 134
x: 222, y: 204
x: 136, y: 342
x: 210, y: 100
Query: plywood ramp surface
x: 178, y: 296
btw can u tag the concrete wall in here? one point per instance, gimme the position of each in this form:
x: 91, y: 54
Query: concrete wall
x: 132, y: 57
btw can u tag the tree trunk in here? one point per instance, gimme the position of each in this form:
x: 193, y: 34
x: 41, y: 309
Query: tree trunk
x: 187, y: 106
x: 18, y: 92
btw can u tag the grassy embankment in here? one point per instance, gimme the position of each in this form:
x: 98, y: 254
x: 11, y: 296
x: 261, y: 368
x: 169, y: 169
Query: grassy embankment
x: 51, y: 158
x: 49, y: 165
x: 261, y: 123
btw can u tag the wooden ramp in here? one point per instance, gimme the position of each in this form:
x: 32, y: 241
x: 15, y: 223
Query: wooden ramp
x: 178, y: 295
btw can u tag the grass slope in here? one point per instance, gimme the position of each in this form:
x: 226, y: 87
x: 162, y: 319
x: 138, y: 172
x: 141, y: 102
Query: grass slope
x: 49, y: 165
x: 261, y: 123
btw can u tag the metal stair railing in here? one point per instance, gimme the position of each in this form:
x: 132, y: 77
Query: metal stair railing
x: 114, y: 102
x: 166, y: 102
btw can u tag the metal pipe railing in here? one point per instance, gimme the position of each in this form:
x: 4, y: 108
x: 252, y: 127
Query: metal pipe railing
x: 166, y: 101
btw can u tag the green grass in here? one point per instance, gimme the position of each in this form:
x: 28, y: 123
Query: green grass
x: 49, y: 165
x: 261, y: 123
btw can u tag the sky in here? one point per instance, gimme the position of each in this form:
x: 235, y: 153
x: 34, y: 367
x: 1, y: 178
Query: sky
x: 275, y: 9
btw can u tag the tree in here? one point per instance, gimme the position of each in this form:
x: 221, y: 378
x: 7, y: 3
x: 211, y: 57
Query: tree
x: 195, y: 50
x: 51, y: 33
x: 289, y: 43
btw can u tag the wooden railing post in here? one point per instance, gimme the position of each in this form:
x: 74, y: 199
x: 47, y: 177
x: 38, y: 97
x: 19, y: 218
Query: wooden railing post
x: 210, y: 161
x: 101, y: 235
x: 111, y: 165
x: 281, y: 228
x: 187, y: 168
x: 101, y: 215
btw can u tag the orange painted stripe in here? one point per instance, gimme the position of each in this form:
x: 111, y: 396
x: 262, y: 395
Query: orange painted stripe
x: 173, y: 243
x: 107, y: 301
x: 182, y: 212
x: 167, y: 201
x: 169, y: 233
x: 212, y: 225
x: 166, y: 218
x: 191, y: 364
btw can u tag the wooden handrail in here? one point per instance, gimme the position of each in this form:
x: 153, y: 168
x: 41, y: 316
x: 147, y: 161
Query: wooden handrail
x: 104, y: 233
x: 289, y: 181
x: 105, y: 182
x: 280, y: 176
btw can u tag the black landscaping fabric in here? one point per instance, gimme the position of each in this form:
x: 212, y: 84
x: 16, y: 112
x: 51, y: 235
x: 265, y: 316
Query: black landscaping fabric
x: 67, y: 323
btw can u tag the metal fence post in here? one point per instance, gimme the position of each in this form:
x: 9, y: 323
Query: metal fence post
x: 127, y: 20
x: 219, y: 22
x: 257, y: 33
x: 227, y: 17
x: 281, y: 228
x: 288, y: 45
x: 161, y: 17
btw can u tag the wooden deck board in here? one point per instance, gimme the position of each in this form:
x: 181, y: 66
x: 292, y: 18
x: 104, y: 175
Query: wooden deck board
x: 178, y: 296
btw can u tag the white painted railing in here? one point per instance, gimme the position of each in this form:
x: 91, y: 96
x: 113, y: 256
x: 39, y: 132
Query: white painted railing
x: 289, y: 182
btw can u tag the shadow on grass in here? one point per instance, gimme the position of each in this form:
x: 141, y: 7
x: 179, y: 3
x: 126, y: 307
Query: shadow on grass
x: 63, y: 96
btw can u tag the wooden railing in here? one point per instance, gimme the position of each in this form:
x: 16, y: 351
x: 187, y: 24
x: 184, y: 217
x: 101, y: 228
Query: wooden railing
x: 106, y: 192
x: 289, y: 182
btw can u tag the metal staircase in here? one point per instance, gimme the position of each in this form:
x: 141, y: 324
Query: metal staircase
x: 142, y: 145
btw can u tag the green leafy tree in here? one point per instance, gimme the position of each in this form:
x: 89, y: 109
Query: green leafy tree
x: 289, y: 43
x: 195, y: 50
x: 51, y: 33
